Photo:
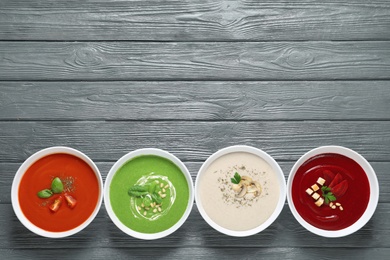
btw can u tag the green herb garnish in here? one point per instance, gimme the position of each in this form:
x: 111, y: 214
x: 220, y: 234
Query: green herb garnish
x: 44, y: 194
x: 57, y: 186
x: 138, y: 191
x: 152, y: 187
x: 146, y: 201
x: 156, y: 198
x: 236, y: 179
x: 327, y: 194
x: 148, y: 196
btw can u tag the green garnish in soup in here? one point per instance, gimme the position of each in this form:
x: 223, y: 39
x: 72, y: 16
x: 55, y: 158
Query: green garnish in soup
x: 149, y: 194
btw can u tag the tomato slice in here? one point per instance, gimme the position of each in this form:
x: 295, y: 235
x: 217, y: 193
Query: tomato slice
x: 328, y: 176
x: 340, y: 189
x: 337, y: 179
x: 56, y: 204
x: 70, y: 200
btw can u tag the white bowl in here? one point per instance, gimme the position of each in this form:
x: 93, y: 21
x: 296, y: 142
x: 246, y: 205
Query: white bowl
x: 123, y: 160
x: 23, y: 168
x: 373, y: 183
x: 281, y: 181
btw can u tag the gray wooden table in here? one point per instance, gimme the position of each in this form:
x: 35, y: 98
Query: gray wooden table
x: 191, y: 77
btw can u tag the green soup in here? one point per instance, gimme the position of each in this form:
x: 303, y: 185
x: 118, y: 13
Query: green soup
x: 149, y: 194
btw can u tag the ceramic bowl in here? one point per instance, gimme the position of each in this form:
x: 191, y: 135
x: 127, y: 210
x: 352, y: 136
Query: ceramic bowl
x: 280, y: 181
x: 22, y: 170
x: 373, y: 193
x: 122, y: 161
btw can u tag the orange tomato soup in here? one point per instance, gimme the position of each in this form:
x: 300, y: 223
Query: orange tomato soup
x: 84, y: 188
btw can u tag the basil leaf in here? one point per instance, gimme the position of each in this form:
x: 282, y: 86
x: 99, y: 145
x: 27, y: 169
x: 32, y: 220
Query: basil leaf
x: 44, y: 194
x: 57, y: 186
x: 152, y: 187
x: 156, y: 198
x: 146, y: 201
x: 138, y: 191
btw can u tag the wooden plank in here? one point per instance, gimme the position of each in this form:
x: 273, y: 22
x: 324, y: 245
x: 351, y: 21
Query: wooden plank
x: 176, y: 20
x: 193, y: 61
x: 195, y: 232
x: 8, y: 171
x: 269, y: 100
x: 199, y: 253
x: 192, y: 140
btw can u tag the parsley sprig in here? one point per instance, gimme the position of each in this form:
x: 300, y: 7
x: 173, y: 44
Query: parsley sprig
x: 327, y: 194
x: 236, y: 179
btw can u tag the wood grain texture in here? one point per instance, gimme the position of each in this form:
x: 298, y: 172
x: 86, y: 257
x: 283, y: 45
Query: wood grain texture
x: 8, y: 170
x: 194, y: 61
x: 195, y: 232
x: 206, y: 100
x: 193, y: 141
x: 187, y: 20
x: 191, y: 77
x: 199, y: 253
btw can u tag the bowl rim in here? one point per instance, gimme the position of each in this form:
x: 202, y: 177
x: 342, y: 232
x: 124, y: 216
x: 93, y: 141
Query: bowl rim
x: 372, y: 179
x: 31, y: 160
x: 126, y: 158
x: 282, y: 187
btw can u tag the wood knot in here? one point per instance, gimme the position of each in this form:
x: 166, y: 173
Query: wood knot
x: 86, y: 56
x: 297, y: 57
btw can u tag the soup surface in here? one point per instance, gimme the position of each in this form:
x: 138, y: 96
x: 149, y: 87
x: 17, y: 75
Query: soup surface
x: 149, y: 194
x: 342, y: 198
x: 79, y: 181
x: 231, y: 205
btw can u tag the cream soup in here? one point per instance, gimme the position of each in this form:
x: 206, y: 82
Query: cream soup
x: 245, y: 204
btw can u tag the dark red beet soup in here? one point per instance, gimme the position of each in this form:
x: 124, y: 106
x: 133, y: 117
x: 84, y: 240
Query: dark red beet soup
x: 330, y: 191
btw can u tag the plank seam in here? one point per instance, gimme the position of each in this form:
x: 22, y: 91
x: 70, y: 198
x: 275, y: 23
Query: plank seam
x: 198, y: 41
